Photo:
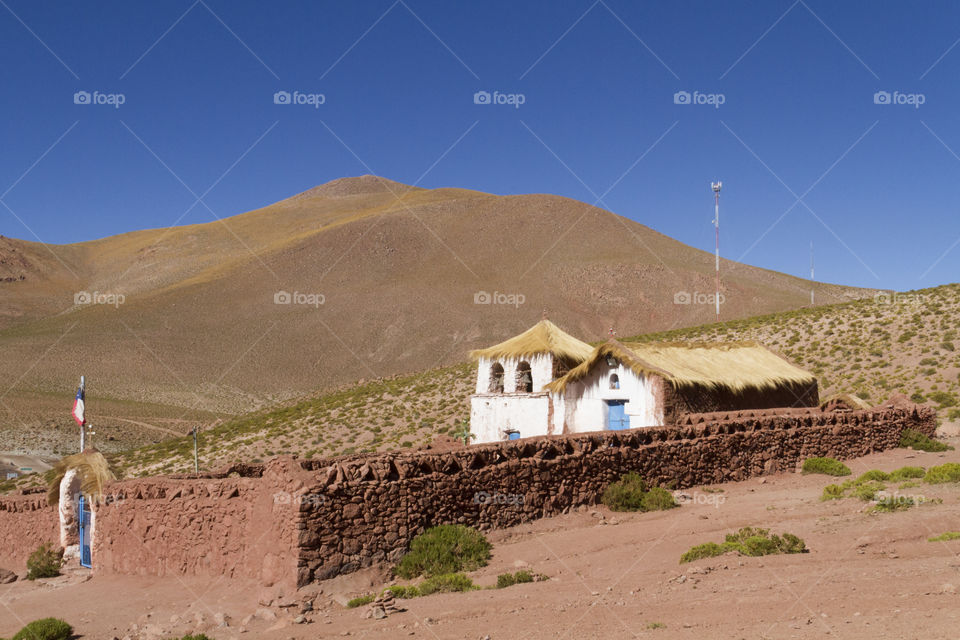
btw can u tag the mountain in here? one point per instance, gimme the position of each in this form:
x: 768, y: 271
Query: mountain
x: 358, y: 278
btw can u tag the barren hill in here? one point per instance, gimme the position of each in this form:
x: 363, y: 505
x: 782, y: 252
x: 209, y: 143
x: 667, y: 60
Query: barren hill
x: 381, y: 279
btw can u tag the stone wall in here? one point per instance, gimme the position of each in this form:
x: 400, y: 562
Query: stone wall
x: 26, y: 521
x: 290, y: 522
x: 365, y: 510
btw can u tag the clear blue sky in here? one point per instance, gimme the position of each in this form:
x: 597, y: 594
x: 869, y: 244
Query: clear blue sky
x: 798, y: 119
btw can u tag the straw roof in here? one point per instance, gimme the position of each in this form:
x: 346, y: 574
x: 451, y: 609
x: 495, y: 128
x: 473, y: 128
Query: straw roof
x: 543, y: 337
x: 735, y: 366
x: 92, y: 468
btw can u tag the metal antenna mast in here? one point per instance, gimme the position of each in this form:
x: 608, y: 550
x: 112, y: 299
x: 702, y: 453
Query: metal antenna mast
x: 716, y: 223
x: 811, y: 273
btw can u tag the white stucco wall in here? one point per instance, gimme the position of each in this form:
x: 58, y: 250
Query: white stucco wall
x: 585, y: 407
x: 541, y: 368
x: 491, y: 415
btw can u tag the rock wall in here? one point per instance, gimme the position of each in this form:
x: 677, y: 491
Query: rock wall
x: 365, y: 510
x: 26, y: 521
x: 290, y: 522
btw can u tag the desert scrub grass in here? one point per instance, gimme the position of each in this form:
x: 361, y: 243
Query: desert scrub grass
x: 404, y: 592
x: 359, y: 601
x: 907, y: 473
x: 45, y: 629
x: 826, y: 466
x: 832, y: 492
x: 509, y: 579
x: 873, y: 474
x: 889, y: 504
x: 45, y: 562
x: 446, y: 583
x: 631, y: 493
x: 444, y: 550
x: 913, y: 439
x: 656, y: 625
x: 945, y: 537
x: 748, y: 541
x: 942, y: 474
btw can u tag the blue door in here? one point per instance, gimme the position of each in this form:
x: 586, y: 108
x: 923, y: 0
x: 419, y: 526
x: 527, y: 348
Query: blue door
x: 513, y: 435
x: 83, y: 513
x: 617, y: 418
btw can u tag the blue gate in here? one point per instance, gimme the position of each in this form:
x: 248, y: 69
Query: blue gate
x: 83, y: 515
x: 617, y: 418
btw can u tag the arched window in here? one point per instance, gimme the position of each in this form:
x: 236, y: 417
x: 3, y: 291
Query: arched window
x: 496, y: 378
x: 614, y: 381
x: 524, y: 378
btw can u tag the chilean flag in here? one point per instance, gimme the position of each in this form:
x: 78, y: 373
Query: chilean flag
x: 78, y: 405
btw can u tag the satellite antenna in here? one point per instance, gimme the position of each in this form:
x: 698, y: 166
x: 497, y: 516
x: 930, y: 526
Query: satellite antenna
x: 716, y: 223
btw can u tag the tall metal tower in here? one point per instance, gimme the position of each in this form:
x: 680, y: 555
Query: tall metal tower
x: 716, y: 223
x: 811, y: 273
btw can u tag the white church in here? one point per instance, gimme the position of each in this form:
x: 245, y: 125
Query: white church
x: 544, y: 382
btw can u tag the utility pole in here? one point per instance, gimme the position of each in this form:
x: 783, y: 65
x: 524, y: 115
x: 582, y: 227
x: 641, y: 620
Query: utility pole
x: 716, y: 223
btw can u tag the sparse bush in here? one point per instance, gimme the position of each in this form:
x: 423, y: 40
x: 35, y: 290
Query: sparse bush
x: 359, y: 601
x: 873, y: 474
x: 867, y: 491
x: 832, y: 492
x: 705, y: 550
x: 45, y: 629
x: 749, y: 542
x: 658, y: 499
x: 907, y: 473
x: 404, y: 592
x: 942, y: 474
x: 826, y: 466
x: 631, y: 493
x: 446, y: 583
x: 913, y: 439
x: 510, y: 579
x: 894, y: 503
x: 945, y: 537
x: 45, y: 562
x: 443, y: 550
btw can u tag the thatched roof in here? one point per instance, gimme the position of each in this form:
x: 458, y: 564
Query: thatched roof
x: 543, y: 337
x: 844, y: 400
x: 92, y: 468
x: 736, y: 366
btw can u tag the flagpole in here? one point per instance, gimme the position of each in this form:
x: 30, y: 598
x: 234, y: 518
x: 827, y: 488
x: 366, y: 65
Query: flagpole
x: 82, y: 429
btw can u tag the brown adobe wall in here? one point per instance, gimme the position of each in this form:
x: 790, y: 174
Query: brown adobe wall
x: 366, y: 510
x: 214, y: 525
x: 26, y: 521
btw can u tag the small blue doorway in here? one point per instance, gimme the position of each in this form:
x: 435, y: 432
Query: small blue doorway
x: 617, y: 418
x: 513, y: 435
x: 83, y: 515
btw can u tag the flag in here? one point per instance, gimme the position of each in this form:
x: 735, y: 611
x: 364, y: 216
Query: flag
x: 78, y: 405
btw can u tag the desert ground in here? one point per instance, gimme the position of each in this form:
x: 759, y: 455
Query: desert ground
x: 611, y: 575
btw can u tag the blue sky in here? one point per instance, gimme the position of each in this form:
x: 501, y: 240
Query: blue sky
x: 805, y: 152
